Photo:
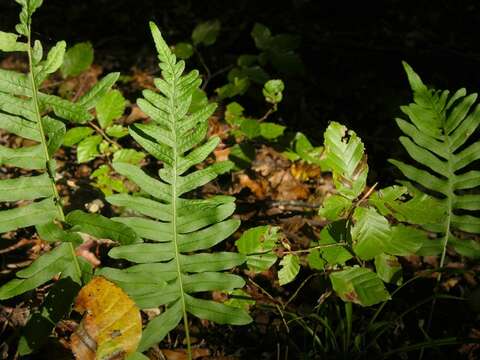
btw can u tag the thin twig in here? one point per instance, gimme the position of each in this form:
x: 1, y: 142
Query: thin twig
x: 104, y: 135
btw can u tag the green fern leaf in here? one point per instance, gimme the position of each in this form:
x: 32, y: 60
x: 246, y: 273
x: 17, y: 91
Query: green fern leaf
x: 436, y: 138
x: 28, y: 113
x: 174, y: 227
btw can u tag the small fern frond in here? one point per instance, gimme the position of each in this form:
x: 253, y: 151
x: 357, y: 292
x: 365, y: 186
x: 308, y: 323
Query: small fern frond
x: 173, y: 262
x: 437, y: 138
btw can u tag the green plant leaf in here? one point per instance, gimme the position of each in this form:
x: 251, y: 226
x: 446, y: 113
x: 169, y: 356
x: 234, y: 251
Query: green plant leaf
x: 359, y: 285
x: 257, y: 244
x: 98, y: 91
x: 77, y: 59
x: 117, y: 131
x: 128, y: 156
x: 436, y: 138
x: 370, y: 233
x: 60, y: 260
x: 344, y: 156
x: 262, y: 36
x: 110, y: 107
x: 101, y: 227
x: 199, y: 101
x: 290, y: 267
x: 271, y: 131
x: 331, y: 247
x: 177, y: 230
x: 335, y: 207
x: 272, y: 91
x: 8, y: 42
x: 250, y: 128
x: 76, y: 134
x: 183, y: 50
x: 206, y: 33
x: 233, y: 112
x: 87, y: 149
x: 388, y: 269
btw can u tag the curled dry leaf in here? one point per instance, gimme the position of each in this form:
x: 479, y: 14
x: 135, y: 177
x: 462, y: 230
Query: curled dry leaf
x: 111, y: 327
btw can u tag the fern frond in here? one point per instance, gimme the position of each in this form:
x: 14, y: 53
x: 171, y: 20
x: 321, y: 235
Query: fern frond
x: 30, y: 114
x: 174, y: 227
x: 436, y: 138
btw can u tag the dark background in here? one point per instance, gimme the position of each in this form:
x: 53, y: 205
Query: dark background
x: 352, y: 50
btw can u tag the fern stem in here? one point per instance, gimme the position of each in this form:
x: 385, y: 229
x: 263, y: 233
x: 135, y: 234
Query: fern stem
x: 51, y: 175
x: 174, y: 225
x: 450, y: 176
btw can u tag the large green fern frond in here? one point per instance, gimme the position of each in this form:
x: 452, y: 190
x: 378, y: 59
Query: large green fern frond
x: 438, y: 139
x: 174, y: 261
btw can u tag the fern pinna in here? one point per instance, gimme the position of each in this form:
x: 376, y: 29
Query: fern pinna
x: 39, y: 117
x: 169, y: 267
x: 437, y: 137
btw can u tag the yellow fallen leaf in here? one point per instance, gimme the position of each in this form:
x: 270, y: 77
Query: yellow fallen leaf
x: 112, y: 325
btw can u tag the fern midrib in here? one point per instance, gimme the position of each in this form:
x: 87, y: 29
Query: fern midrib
x: 38, y: 116
x: 450, y: 195
x: 174, y: 216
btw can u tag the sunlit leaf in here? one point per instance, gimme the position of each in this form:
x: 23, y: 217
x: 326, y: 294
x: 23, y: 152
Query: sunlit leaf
x: 112, y: 324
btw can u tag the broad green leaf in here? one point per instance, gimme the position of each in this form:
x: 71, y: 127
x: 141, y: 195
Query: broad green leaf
x: 77, y: 134
x: 206, y: 33
x: 271, y: 131
x: 388, y: 269
x: 290, y: 267
x: 405, y: 240
x: 260, y: 239
x: 250, y: 128
x: 261, y: 35
x: 77, y: 59
x: 233, y: 112
x: 331, y: 247
x: 335, y: 207
x: 257, y: 243
x: 87, y: 149
x: 110, y: 107
x: 117, y: 131
x: 359, y: 285
x: 183, y: 50
x: 370, y: 233
x: 128, y: 156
